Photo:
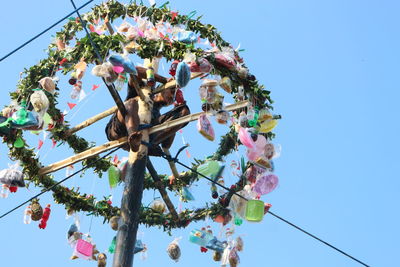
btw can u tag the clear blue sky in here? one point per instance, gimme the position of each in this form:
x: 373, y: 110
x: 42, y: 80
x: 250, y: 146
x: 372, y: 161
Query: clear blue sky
x: 333, y: 69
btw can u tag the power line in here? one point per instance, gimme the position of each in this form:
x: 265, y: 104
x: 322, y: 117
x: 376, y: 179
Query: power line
x: 44, y: 31
x: 56, y: 184
x: 169, y: 158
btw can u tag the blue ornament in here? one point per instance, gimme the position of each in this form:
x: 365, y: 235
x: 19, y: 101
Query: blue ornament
x: 182, y: 74
x: 186, y: 37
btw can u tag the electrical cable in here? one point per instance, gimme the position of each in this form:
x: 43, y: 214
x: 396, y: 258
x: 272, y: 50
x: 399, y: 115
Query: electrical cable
x: 44, y: 31
x: 56, y: 184
x: 169, y: 158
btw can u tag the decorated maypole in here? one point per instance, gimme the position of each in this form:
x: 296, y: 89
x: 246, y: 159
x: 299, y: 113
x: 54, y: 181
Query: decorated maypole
x: 194, y: 51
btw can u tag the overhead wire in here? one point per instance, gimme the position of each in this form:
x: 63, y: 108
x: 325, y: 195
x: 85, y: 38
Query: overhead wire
x: 44, y: 31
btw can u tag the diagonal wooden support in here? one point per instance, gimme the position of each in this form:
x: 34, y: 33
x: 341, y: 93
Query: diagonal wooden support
x: 112, y: 144
x: 171, y: 164
x: 163, y: 192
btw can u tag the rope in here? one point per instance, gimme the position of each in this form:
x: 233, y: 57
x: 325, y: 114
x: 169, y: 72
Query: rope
x: 56, y: 184
x: 44, y: 31
x: 169, y: 158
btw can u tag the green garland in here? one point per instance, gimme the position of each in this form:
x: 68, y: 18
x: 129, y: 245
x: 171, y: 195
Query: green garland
x: 112, y: 10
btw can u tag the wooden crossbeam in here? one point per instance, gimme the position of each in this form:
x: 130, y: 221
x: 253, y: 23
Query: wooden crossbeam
x: 113, y: 144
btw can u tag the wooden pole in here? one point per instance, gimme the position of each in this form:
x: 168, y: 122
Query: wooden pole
x: 133, y: 191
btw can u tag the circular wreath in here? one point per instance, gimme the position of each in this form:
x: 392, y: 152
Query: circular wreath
x: 144, y: 47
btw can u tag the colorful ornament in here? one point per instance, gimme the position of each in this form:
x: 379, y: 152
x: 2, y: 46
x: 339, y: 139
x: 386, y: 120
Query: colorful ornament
x: 173, y: 250
x: 254, y: 210
x: 205, y: 128
x: 39, y: 101
x: 222, y: 116
x: 45, y: 217
x: 12, y: 176
x: 27, y: 215
x: 265, y: 183
x: 114, y: 222
x: 182, y: 74
x: 114, y: 175
x: 226, y: 84
x: 47, y: 84
x: 4, y: 191
x: 101, y: 260
x: 158, y: 206
x: 37, y: 210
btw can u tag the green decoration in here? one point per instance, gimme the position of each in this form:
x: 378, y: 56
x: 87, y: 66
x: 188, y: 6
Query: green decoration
x: 19, y: 143
x: 111, y: 248
x: 113, y: 176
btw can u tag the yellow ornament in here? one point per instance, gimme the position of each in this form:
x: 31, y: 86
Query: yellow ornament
x: 268, y: 126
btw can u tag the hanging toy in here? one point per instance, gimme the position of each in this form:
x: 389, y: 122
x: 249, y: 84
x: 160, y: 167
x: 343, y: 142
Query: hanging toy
x: 186, y: 37
x: 27, y: 215
x: 76, y: 89
x: 4, y: 191
x: 12, y: 176
x: 112, y: 246
x: 217, y: 256
x: 205, y: 128
x: 123, y: 61
x: 252, y: 117
x: 47, y: 84
x: 239, y: 244
x: 242, y: 72
x: 182, y: 74
x: 37, y: 210
x: 60, y: 44
x: 173, y: 250
x: 80, y: 69
x: 254, y: 210
x: 200, y: 237
x: 264, y: 115
x: 45, y: 217
x: 208, y: 91
x: 179, y: 97
x: 243, y: 119
x: 114, y: 175
x: 101, y: 260
x: 210, y: 168
x: 267, y: 126
x: 226, y: 84
x: 22, y: 118
x: 114, y: 222
x: 39, y: 101
x: 222, y: 116
x: 172, y: 69
x: 240, y: 94
x: 186, y: 195
x: 233, y: 257
x: 83, y: 249
x: 73, y: 228
x: 150, y: 74
x: 266, y: 183
x: 200, y: 65
x: 105, y: 71
x: 158, y: 206
x: 216, y: 245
